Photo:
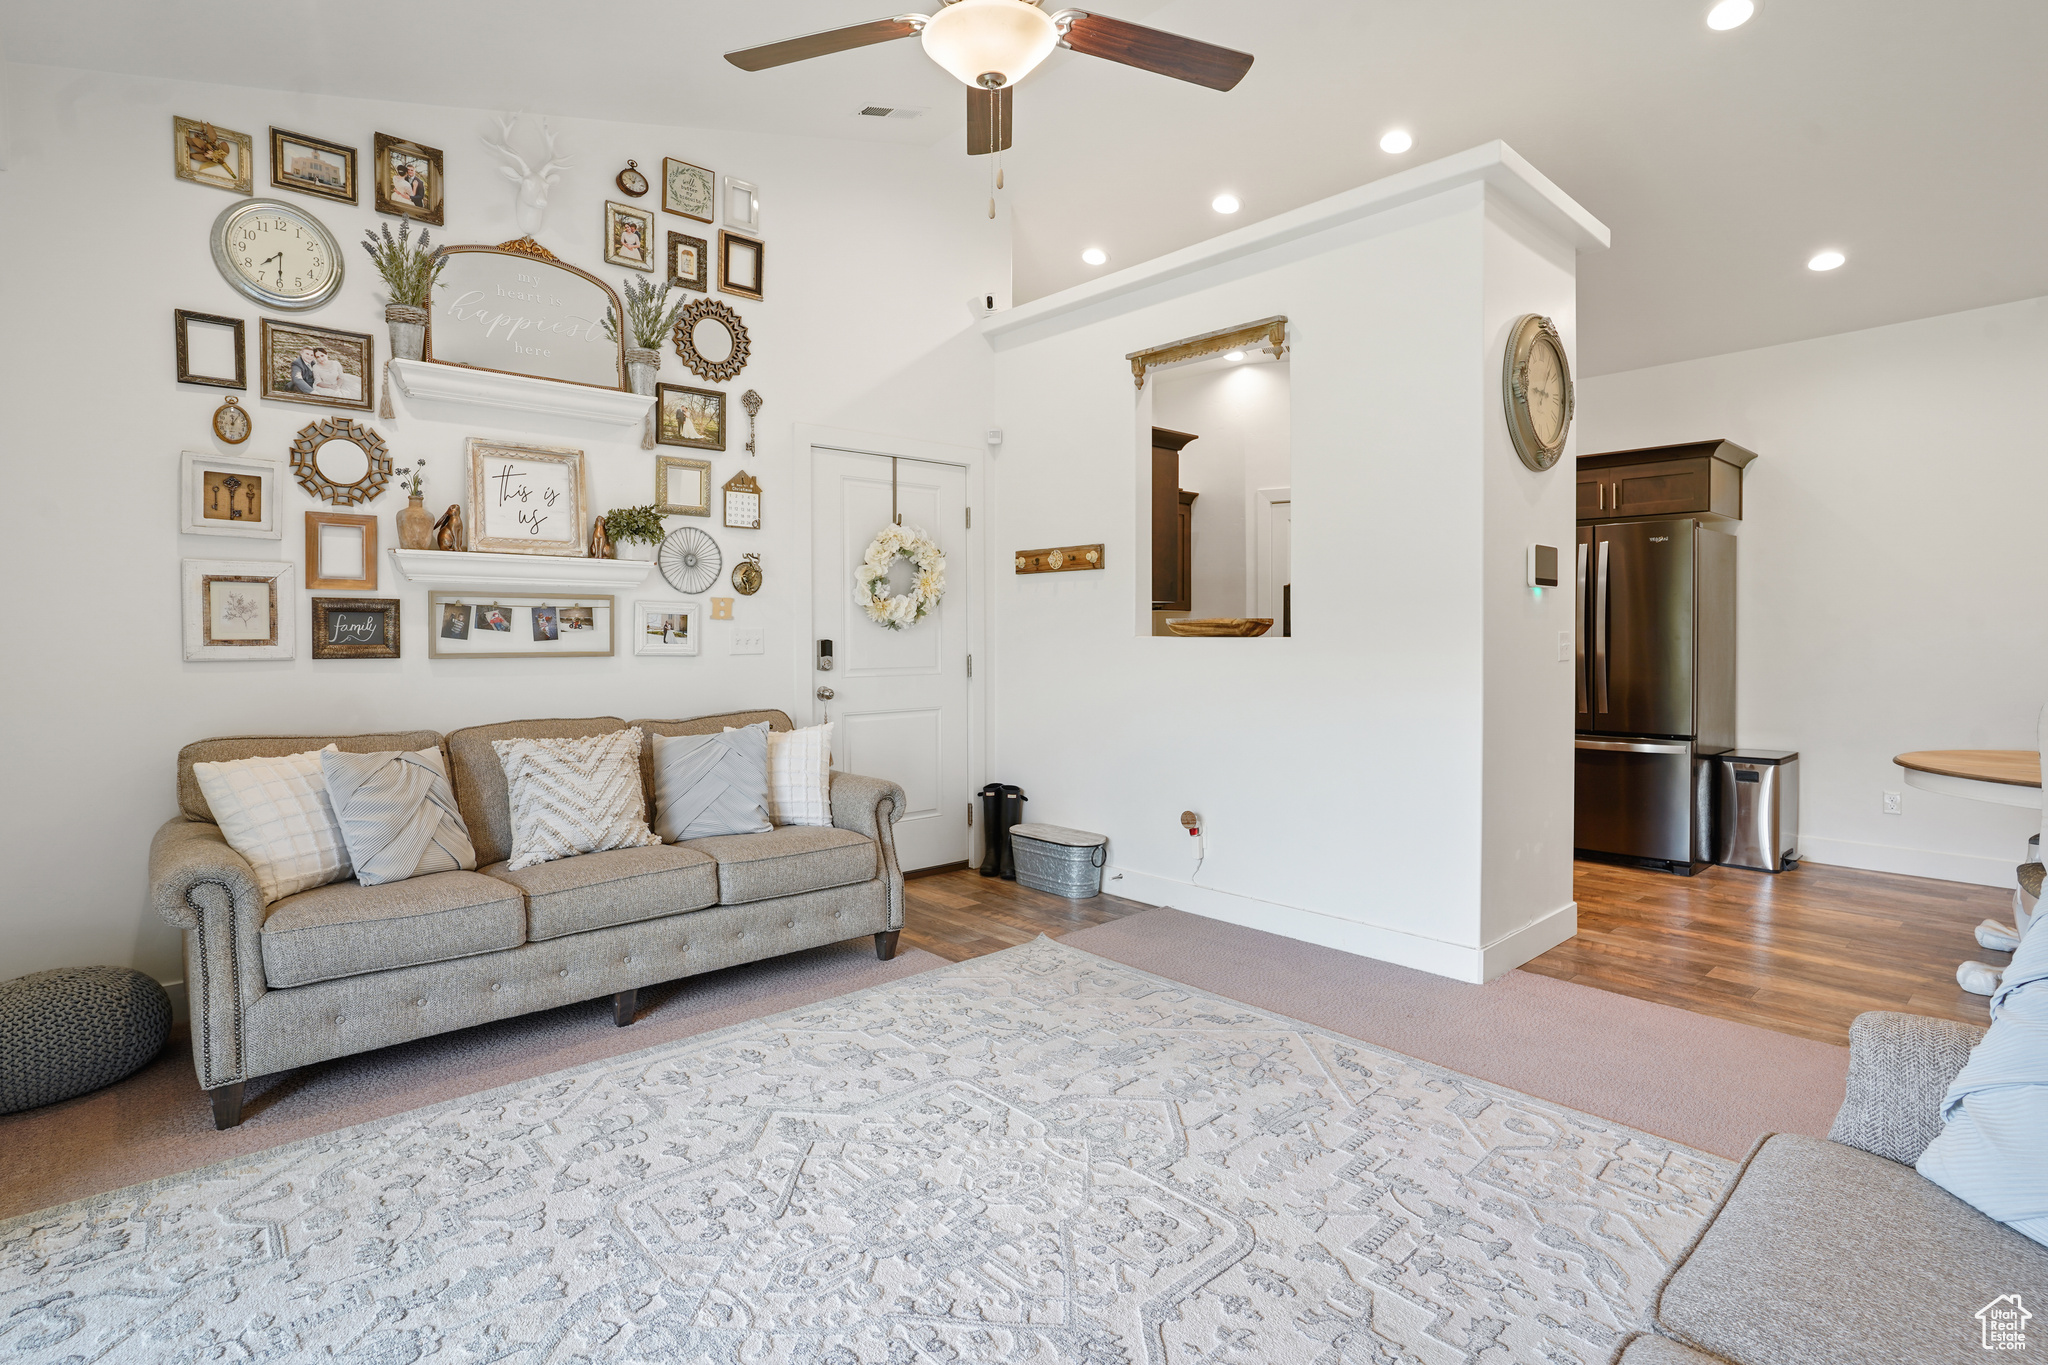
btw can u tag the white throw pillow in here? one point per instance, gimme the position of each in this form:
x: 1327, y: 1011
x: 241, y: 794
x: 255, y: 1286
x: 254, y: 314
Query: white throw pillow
x: 275, y: 813
x: 572, y: 796
x: 397, y: 814
x: 800, y: 775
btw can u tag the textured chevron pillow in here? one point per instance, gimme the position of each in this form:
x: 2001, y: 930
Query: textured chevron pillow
x: 707, y: 785
x: 397, y: 814
x: 572, y: 796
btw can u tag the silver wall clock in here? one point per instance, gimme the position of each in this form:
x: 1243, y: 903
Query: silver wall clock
x: 277, y: 254
x: 1536, y: 389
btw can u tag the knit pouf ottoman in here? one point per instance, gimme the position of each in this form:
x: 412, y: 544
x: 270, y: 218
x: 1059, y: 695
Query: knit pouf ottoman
x: 76, y: 1029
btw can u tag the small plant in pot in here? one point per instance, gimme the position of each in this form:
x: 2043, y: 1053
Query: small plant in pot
x: 410, y: 271
x: 634, y: 532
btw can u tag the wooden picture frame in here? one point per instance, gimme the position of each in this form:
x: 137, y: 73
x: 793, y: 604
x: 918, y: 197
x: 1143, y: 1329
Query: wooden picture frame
x: 521, y: 625
x: 527, y: 499
x: 230, y: 495
x: 689, y: 262
x: 355, y: 627
x: 400, y: 187
x: 687, y: 190
x: 182, y: 320
x: 238, y: 610
x: 314, y: 173
x: 208, y: 154
x: 740, y: 261
x: 658, y: 633
x: 321, y: 528
x: 296, y: 359
x: 628, y: 236
x: 684, y: 416
x: 673, y: 477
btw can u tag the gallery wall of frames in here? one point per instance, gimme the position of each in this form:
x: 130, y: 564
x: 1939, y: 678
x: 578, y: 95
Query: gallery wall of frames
x: 258, y: 464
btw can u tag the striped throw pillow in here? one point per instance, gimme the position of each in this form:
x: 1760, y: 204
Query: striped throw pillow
x: 397, y: 814
x: 707, y: 785
x: 572, y: 796
x: 275, y: 813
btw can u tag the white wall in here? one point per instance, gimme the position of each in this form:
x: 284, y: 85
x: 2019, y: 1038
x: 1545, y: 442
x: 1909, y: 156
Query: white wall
x: 1241, y: 413
x: 873, y: 253
x: 1359, y: 783
x: 1890, y: 563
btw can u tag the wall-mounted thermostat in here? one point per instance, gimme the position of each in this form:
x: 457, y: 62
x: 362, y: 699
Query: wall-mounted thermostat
x: 1542, y: 566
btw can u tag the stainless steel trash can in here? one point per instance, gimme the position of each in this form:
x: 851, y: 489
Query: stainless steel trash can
x: 1756, y: 809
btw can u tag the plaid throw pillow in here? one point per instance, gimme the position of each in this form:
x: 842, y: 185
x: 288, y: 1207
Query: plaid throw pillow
x: 572, y: 796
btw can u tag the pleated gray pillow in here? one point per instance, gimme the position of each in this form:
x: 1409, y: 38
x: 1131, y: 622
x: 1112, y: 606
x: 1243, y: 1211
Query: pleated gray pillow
x: 397, y: 814
x: 706, y: 785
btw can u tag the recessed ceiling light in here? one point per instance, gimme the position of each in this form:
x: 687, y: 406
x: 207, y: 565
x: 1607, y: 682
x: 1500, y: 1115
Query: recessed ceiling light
x: 1095, y: 255
x: 1235, y: 355
x: 1730, y: 14
x: 1225, y: 203
x: 1396, y: 142
x: 1827, y: 260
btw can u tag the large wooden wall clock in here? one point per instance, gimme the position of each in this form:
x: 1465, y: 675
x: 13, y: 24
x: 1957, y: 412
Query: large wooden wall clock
x: 1536, y: 389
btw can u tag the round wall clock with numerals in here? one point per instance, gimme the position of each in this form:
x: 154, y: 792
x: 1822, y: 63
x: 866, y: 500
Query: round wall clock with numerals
x: 1536, y: 390
x: 277, y: 254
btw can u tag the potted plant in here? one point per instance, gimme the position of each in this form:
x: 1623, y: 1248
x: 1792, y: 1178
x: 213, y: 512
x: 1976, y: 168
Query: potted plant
x: 410, y: 272
x: 415, y: 522
x: 634, y: 532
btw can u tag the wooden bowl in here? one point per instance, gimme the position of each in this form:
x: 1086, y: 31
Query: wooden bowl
x: 1241, y: 626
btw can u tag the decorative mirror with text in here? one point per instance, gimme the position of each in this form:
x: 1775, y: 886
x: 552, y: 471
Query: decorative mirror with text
x: 515, y: 313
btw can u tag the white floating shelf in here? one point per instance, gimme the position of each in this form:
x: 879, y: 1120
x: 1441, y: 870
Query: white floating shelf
x: 476, y: 569
x: 517, y: 393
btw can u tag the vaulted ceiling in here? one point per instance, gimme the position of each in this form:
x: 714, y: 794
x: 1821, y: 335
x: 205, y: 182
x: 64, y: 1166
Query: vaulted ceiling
x: 1906, y: 135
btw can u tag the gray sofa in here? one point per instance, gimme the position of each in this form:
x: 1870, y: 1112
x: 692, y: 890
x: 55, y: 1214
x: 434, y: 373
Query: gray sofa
x: 1838, y: 1252
x: 345, y: 968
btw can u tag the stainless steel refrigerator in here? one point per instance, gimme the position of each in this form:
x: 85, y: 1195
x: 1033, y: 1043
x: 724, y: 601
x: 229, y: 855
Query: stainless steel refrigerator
x: 1656, y: 687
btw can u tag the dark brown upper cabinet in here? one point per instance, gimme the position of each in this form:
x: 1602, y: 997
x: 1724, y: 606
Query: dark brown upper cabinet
x: 1699, y: 479
x: 1172, y: 509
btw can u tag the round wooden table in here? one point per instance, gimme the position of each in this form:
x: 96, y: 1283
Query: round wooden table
x: 2008, y: 777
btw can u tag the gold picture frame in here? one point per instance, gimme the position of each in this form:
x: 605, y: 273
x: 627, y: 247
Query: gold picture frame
x: 317, y: 577
x: 628, y: 236
x: 689, y: 262
x: 208, y: 154
x: 312, y: 165
x: 407, y: 182
x: 183, y: 319
x: 740, y: 260
x: 319, y: 366
x: 684, y: 416
x: 673, y: 478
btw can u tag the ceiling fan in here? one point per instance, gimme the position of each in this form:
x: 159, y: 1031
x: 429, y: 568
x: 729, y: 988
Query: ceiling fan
x: 990, y: 45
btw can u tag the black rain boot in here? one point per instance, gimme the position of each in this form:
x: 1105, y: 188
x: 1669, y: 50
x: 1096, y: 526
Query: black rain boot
x: 991, y: 829
x: 1013, y: 814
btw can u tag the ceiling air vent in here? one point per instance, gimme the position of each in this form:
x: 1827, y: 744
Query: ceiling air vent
x: 889, y: 111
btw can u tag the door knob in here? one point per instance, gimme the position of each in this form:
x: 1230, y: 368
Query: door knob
x: 825, y: 694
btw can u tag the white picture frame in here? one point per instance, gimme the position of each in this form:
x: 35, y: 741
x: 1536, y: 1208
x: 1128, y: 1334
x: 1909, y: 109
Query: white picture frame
x: 207, y: 508
x: 652, y: 628
x: 520, y: 625
x: 226, y: 604
x: 527, y: 499
x: 742, y: 204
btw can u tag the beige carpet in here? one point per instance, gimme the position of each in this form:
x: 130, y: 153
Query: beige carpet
x: 1038, y: 1157
x: 1705, y: 1082
x: 158, y: 1121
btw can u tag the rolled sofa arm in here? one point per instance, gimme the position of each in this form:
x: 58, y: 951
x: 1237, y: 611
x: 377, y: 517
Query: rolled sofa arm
x: 1900, y: 1066
x: 207, y: 889
x: 871, y: 806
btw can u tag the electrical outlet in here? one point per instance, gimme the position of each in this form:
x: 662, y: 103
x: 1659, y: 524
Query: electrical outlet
x: 746, y: 641
x: 1564, y: 646
x: 1891, y: 804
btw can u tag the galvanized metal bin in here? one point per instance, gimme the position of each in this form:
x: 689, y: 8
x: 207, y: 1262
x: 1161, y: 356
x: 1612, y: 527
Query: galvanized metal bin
x: 1058, y: 860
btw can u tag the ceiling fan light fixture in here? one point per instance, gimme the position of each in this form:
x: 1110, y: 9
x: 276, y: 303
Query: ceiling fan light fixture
x: 988, y: 44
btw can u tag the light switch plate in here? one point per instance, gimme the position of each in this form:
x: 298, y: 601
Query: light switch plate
x: 746, y: 641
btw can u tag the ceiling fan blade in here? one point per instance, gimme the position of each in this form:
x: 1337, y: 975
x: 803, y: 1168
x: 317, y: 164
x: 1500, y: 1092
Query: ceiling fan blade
x: 988, y: 120
x: 1151, y: 49
x: 823, y: 44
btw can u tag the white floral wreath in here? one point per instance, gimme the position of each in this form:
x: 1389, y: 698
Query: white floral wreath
x: 871, y: 579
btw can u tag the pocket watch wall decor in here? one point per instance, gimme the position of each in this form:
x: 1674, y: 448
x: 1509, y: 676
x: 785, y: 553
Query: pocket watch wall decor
x: 1536, y: 388
x: 231, y: 421
x: 746, y: 576
x: 630, y: 181
x: 742, y: 502
x: 277, y: 254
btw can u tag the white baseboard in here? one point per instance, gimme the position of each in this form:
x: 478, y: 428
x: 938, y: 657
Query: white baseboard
x: 1911, y: 862
x: 1460, y: 962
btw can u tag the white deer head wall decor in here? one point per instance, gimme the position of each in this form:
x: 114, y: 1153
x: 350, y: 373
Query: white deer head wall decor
x: 534, y: 182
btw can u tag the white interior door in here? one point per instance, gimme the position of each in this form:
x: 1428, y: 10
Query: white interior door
x: 899, y: 697
x: 1275, y: 555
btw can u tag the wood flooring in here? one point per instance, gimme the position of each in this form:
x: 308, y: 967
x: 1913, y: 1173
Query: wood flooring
x: 1803, y: 952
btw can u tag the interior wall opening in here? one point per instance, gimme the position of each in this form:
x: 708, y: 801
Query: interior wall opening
x: 1221, y: 498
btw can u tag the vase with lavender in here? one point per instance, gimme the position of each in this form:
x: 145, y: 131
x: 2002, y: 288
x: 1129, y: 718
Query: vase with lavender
x: 410, y: 271
x: 649, y: 318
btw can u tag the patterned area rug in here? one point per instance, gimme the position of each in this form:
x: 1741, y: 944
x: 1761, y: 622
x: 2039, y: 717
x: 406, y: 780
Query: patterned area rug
x: 1035, y: 1157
